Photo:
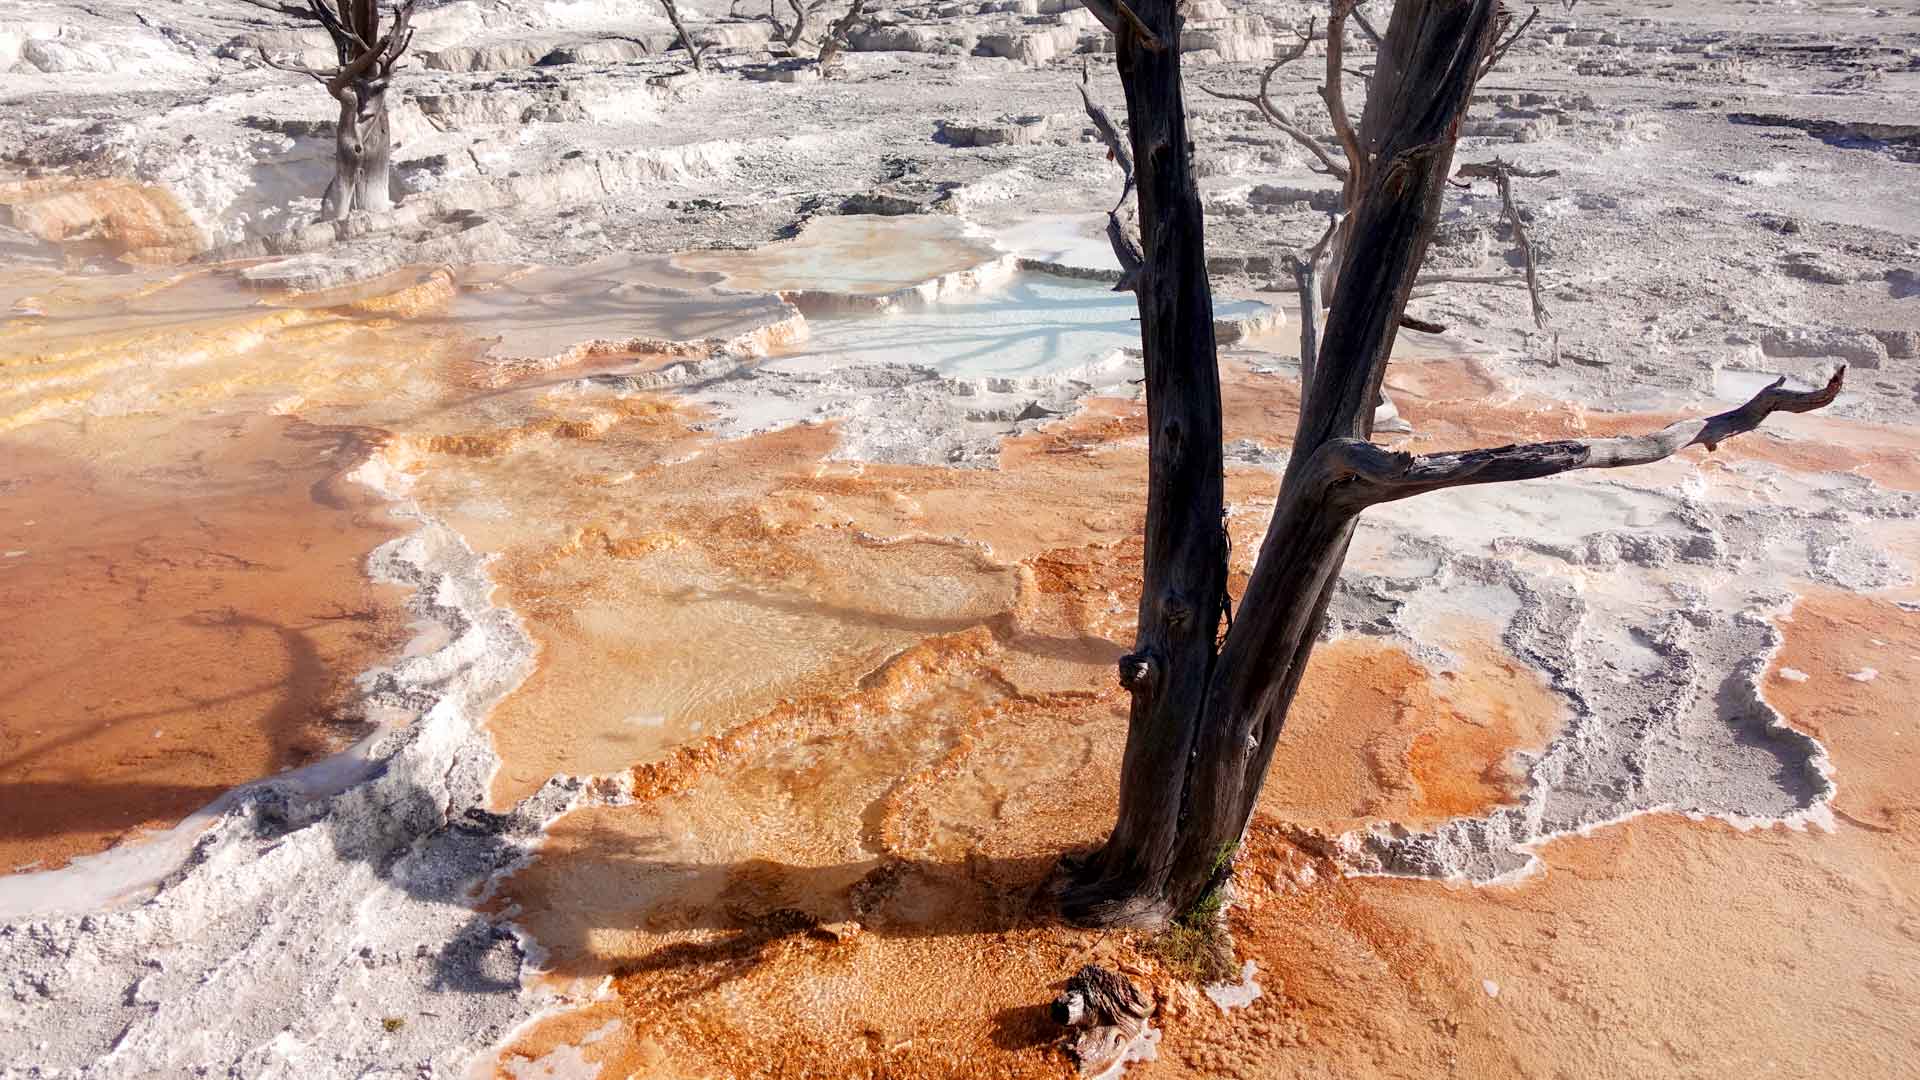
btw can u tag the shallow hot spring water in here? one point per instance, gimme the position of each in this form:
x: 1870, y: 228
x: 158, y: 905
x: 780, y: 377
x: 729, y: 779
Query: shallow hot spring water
x: 858, y: 708
x: 178, y: 515
x: 1031, y: 326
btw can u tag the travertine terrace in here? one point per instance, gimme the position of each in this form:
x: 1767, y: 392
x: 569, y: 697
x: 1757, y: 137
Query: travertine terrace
x: 647, y: 606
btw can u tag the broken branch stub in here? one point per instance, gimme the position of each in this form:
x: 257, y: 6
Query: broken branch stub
x: 1103, y: 1013
x: 1125, y: 249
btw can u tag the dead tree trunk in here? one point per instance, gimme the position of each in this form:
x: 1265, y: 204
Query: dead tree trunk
x: 362, y: 153
x: 1204, y: 721
x: 1186, y: 543
x: 367, y: 57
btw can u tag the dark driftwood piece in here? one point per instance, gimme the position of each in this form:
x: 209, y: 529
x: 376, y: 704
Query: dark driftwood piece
x: 367, y: 58
x: 1103, y: 1014
x: 1205, y: 717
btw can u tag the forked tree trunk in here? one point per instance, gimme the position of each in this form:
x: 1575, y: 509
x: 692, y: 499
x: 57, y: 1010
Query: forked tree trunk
x: 362, y: 156
x: 362, y: 139
x: 1204, y: 722
x: 1203, y: 725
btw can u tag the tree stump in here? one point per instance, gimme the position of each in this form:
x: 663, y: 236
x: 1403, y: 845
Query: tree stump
x: 1103, y: 1014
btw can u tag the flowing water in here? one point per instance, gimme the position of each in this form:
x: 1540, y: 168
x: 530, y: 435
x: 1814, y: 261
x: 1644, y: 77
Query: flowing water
x: 852, y: 711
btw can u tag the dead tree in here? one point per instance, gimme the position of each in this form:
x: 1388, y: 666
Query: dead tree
x: 366, y: 60
x: 1207, y: 706
x: 1357, y: 156
x: 786, y: 34
x: 838, y: 32
x: 794, y: 35
x: 696, y: 54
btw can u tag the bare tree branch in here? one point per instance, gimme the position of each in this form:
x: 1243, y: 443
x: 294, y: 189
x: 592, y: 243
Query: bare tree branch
x: 1526, y: 250
x: 1335, y: 95
x: 1263, y: 103
x: 836, y: 37
x: 1306, y: 281
x: 1500, y: 47
x: 1502, y: 173
x: 1365, y: 475
x: 1512, y: 280
x: 1366, y: 27
x: 297, y: 68
x: 1477, y: 170
x: 1125, y: 249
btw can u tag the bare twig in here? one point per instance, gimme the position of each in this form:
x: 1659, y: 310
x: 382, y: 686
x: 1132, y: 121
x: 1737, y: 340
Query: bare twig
x: 1366, y: 474
x: 1125, y: 248
x: 1526, y: 251
x: 1501, y: 45
x: 297, y: 68
x: 1109, y: 133
x: 1478, y: 170
x: 1306, y: 281
x: 1514, y: 280
x: 1263, y: 103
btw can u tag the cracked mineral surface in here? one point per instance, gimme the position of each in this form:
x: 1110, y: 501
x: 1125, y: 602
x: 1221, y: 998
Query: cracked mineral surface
x: 648, y: 604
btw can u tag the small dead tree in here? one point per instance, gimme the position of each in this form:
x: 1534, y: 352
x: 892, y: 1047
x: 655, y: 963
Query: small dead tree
x: 791, y: 36
x: 367, y: 58
x: 838, y: 32
x: 1207, y: 706
x: 696, y: 54
x: 1357, y: 157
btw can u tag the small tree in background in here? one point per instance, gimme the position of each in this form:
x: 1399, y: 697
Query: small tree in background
x: 367, y: 59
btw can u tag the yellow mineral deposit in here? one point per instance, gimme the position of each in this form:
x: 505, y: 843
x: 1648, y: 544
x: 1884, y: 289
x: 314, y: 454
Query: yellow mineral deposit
x: 140, y: 224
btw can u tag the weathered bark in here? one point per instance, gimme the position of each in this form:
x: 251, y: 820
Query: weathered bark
x: 1204, y: 722
x: 1184, y: 590
x: 1103, y: 1014
x: 367, y: 57
x: 362, y: 156
x: 1202, y: 727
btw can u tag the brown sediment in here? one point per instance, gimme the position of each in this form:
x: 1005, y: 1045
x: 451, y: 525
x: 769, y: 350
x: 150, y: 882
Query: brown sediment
x: 844, y: 889
x: 1657, y: 947
x: 178, y: 631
